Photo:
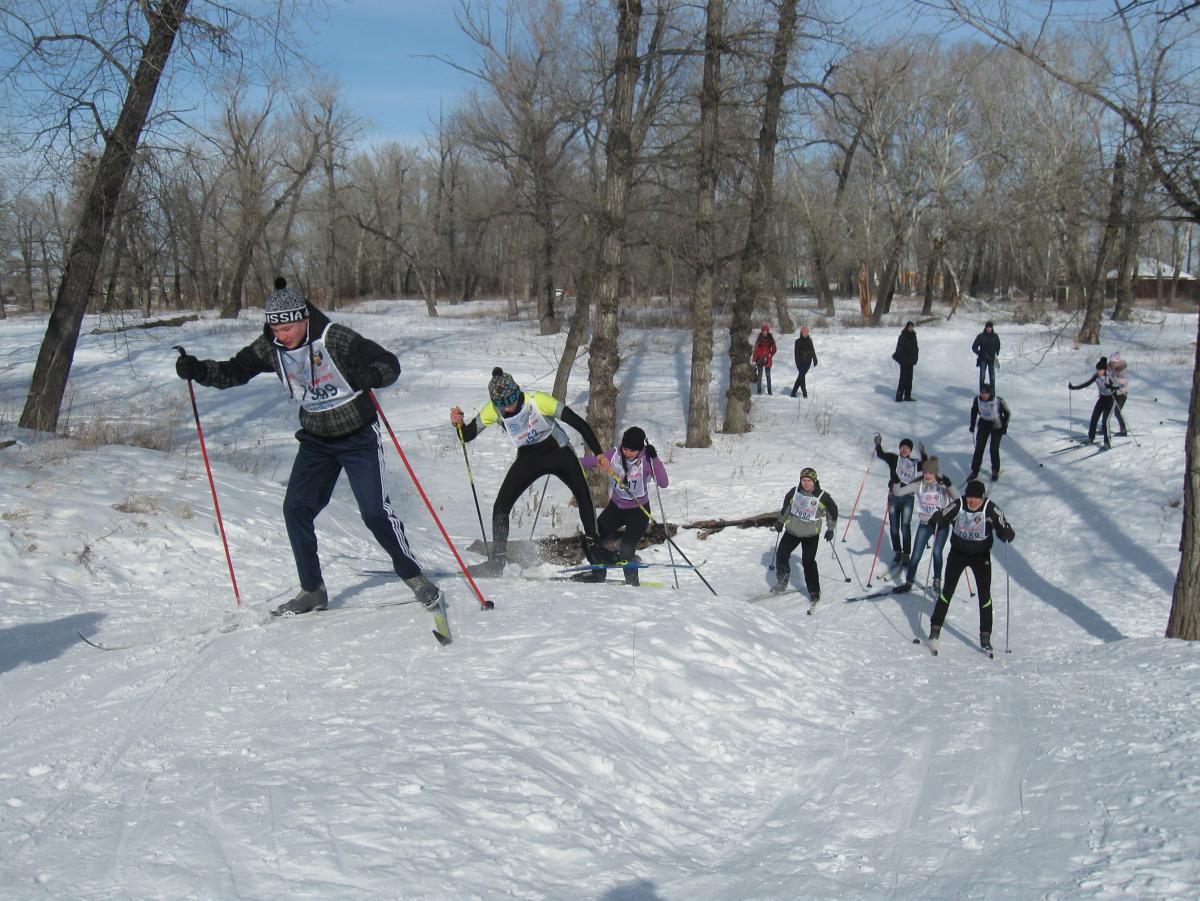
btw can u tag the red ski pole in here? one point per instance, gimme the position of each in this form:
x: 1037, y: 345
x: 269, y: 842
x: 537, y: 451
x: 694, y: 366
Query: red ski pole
x: 237, y: 595
x: 483, y: 602
x: 861, y: 485
x: 886, y: 510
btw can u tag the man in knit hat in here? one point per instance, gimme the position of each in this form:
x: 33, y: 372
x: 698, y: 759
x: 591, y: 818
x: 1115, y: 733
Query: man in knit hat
x: 631, y: 467
x: 986, y: 348
x: 989, y: 423
x: 329, y: 370
x: 531, y: 421
x: 800, y: 520
x: 904, y: 469
x: 972, y: 521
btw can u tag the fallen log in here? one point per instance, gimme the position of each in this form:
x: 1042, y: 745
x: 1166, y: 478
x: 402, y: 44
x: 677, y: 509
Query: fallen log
x: 173, y: 322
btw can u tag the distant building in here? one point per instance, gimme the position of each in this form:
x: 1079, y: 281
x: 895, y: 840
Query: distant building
x: 1152, y: 280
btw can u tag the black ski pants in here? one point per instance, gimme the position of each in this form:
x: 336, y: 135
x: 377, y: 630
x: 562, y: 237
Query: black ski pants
x: 904, y: 386
x: 634, y: 522
x: 808, y: 560
x: 1100, y: 414
x: 981, y: 566
x: 530, y: 466
x: 985, y: 433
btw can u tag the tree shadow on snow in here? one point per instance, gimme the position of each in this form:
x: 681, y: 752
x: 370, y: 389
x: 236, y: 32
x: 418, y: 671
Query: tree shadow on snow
x: 638, y: 890
x: 39, y: 642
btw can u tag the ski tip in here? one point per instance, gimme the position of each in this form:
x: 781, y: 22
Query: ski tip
x: 916, y: 641
x: 443, y: 640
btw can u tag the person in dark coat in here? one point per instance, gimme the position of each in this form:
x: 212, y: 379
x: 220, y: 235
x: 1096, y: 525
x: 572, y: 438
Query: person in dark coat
x: 986, y: 349
x: 906, y: 355
x: 806, y: 356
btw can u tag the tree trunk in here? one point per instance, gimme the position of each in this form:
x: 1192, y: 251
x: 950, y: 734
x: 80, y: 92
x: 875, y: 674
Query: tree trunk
x: 576, y: 333
x: 1089, y: 331
x: 1184, y: 621
x: 699, y: 427
x: 750, y: 276
x: 547, y: 322
x: 618, y: 166
x: 53, y: 367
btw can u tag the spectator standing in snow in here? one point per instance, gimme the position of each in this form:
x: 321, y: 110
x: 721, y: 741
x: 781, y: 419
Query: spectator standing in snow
x: 531, y: 421
x: 906, y: 354
x: 806, y: 356
x: 972, y: 522
x: 904, y: 469
x: 804, y: 507
x: 330, y: 370
x: 1104, y: 401
x: 989, y: 423
x: 630, y: 467
x: 987, y: 352
x: 932, y: 493
x: 764, y: 353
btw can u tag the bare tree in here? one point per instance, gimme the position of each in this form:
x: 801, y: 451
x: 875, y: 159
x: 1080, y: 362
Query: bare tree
x: 699, y: 427
x: 754, y: 249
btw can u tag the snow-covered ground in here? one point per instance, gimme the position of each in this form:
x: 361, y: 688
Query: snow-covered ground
x: 586, y: 741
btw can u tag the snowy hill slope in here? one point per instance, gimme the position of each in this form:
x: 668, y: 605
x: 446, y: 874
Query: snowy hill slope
x: 587, y: 741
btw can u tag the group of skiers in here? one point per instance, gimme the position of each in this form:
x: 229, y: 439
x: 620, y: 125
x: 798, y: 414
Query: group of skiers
x: 331, y: 371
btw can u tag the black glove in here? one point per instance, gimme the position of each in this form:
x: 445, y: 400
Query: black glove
x: 778, y: 526
x: 1007, y: 534
x: 368, y: 377
x: 946, y: 481
x: 829, y: 534
x: 651, y: 452
x: 878, y: 439
x: 921, y: 448
x: 188, y: 367
x: 971, y: 429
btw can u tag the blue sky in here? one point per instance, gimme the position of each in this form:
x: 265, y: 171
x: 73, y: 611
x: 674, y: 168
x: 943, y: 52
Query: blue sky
x: 379, y: 50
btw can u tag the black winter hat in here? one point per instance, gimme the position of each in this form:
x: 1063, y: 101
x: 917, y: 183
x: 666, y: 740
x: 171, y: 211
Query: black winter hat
x: 633, y: 439
x: 990, y: 325
x: 1102, y: 363
x: 974, y: 489
x: 906, y: 441
x: 985, y: 388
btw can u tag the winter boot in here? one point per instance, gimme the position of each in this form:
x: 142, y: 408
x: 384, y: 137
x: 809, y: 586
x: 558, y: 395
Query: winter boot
x: 903, y: 588
x: 427, y: 593
x: 590, y: 575
x: 492, y: 566
x: 995, y: 474
x: 985, y: 641
x: 304, y: 602
x: 934, y: 634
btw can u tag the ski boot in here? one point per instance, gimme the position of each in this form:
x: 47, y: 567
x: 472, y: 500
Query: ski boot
x: 631, y: 576
x: 937, y: 586
x: 781, y: 584
x: 985, y: 643
x: 995, y: 474
x: 304, y: 602
x: 934, y: 634
x: 427, y: 593
x: 903, y: 588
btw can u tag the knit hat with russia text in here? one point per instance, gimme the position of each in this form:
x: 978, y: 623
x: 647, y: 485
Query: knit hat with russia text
x: 284, y: 305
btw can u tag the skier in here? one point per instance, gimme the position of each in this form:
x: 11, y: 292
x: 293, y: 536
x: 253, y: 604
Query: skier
x: 531, y: 421
x: 1118, y: 379
x: 631, y: 466
x: 904, y: 469
x: 806, y: 356
x: 803, y: 509
x: 932, y: 494
x: 906, y: 354
x: 329, y: 369
x: 972, y: 522
x: 987, y: 352
x: 764, y: 353
x: 1104, y: 401
x: 991, y: 414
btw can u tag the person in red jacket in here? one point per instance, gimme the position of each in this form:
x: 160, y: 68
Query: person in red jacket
x: 764, y: 352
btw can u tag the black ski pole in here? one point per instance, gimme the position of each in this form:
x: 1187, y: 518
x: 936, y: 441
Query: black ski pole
x: 663, y: 514
x: 833, y: 548
x: 1007, y: 598
x: 474, y: 494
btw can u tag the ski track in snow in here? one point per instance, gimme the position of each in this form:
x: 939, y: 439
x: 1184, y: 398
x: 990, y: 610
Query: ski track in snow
x: 587, y: 741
